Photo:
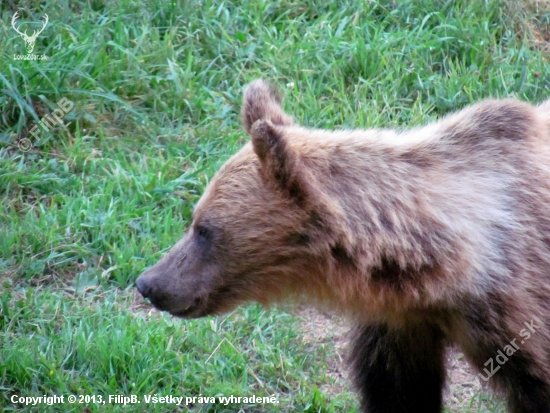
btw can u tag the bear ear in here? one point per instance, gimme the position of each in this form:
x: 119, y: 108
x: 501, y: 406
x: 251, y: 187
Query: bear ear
x: 278, y: 161
x: 262, y: 101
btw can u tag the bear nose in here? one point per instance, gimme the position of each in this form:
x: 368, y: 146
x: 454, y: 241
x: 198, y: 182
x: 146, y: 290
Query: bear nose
x: 143, y: 288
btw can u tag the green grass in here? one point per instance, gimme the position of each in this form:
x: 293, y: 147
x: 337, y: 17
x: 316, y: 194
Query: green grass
x: 157, y: 88
x: 95, y: 343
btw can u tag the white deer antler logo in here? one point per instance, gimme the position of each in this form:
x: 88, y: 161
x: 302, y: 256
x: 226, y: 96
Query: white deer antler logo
x: 30, y: 40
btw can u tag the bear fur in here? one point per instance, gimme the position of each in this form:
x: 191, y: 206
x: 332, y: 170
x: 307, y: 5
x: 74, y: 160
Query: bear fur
x: 425, y: 237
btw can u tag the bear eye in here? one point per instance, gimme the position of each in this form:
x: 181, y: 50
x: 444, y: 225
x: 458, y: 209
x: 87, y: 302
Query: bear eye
x: 203, y: 232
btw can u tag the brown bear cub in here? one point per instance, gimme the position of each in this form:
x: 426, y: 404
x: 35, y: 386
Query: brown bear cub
x: 426, y: 237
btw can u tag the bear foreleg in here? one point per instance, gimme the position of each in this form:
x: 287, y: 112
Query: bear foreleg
x: 399, y: 370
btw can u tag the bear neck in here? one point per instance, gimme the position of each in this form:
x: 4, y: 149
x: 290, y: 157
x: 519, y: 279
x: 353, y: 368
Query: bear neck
x: 395, y: 239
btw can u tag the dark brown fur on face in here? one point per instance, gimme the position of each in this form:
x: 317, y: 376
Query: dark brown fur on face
x: 428, y: 237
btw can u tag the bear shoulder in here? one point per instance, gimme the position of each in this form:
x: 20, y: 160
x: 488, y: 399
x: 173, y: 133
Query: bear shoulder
x: 497, y: 120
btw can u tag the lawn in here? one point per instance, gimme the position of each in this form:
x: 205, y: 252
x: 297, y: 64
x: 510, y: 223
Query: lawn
x: 152, y: 95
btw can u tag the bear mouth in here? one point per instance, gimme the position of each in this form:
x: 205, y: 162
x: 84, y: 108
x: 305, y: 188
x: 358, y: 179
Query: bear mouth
x: 205, y: 305
x: 194, y: 310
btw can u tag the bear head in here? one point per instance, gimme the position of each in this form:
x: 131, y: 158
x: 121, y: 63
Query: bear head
x: 259, y: 231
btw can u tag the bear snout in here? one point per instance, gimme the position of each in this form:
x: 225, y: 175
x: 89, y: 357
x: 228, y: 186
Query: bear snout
x: 143, y: 287
x: 150, y: 287
x: 147, y: 288
x: 166, y: 296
